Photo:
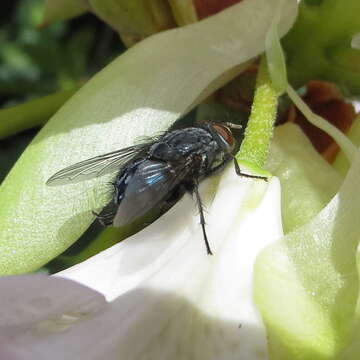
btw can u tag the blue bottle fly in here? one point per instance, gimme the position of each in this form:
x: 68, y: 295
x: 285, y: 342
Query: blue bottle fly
x: 159, y: 172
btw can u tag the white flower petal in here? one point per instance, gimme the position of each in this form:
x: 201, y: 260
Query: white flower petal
x: 183, y: 305
x: 35, y: 306
x: 196, y: 300
x: 141, y: 255
x: 26, y: 299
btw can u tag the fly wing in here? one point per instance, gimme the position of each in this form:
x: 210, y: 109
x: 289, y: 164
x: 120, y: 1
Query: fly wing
x: 96, y: 166
x: 146, y: 187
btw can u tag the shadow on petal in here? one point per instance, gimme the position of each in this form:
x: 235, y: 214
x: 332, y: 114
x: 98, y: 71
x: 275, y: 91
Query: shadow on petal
x: 142, y: 324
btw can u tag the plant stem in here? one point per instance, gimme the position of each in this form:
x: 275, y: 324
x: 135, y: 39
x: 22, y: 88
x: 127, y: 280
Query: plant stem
x: 255, y: 147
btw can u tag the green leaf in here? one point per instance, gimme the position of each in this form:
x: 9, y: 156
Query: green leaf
x: 319, y: 45
x: 57, y: 10
x: 140, y: 93
x: 306, y: 285
x: 308, y: 182
x: 32, y: 113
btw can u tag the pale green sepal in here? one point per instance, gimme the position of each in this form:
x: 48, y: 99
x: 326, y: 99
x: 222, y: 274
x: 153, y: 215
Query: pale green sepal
x: 342, y: 140
x: 275, y: 56
x: 308, y: 182
x: 307, y: 285
x: 352, y: 350
x: 341, y: 163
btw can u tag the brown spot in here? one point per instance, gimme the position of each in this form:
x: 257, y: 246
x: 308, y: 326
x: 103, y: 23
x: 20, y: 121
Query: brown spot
x: 205, y: 8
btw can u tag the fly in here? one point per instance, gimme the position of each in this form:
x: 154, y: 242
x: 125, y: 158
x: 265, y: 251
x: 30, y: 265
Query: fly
x: 158, y: 172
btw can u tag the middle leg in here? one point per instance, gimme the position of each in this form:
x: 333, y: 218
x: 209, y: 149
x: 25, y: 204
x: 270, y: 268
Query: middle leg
x: 202, y: 218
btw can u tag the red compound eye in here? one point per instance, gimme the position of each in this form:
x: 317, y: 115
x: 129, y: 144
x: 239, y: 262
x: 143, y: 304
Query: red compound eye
x: 225, y: 133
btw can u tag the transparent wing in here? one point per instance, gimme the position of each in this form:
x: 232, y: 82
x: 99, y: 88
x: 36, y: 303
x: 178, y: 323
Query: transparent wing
x: 151, y: 182
x: 96, y: 166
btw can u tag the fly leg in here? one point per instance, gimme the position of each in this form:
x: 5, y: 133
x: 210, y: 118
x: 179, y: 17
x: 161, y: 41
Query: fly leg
x: 202, y: 218
x: 106, y: 215
x: 238, y: 172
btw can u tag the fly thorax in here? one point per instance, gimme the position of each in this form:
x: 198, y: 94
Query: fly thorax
x: 161, y: 151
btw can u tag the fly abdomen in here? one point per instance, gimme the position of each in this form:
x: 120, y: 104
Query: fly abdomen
x: 141, y: 188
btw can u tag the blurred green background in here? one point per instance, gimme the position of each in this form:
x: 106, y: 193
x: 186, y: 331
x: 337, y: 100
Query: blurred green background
x: 37, y: 60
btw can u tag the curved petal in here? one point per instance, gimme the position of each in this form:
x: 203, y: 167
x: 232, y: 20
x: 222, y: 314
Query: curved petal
x: 307, y: 284
x: 194, y: 306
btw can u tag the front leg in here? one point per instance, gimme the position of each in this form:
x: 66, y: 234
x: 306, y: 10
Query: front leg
x: 216, y: 169
x: 239, y: 173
